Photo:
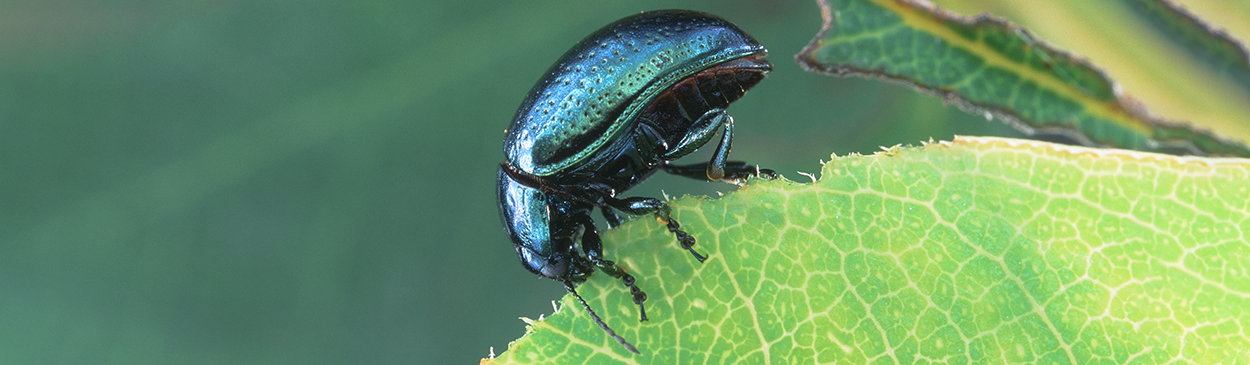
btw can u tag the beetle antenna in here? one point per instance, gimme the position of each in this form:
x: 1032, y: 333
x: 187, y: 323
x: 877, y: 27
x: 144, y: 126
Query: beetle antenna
x: 569, y: 285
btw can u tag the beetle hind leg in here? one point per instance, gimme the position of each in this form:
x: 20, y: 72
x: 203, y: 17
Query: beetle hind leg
x: 734, y: 171
x: 716, y: 169
x: 701, y: 132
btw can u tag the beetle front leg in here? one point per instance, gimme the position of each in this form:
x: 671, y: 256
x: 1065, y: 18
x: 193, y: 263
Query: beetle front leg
x: 640, y: 206
x: 593, y: 247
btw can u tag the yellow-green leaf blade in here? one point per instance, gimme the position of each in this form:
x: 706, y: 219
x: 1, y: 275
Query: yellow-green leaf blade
x: 987, y: 65
x: 979, y: 250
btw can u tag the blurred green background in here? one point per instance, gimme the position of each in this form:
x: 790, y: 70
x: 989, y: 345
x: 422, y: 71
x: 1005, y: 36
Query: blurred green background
x: 311, y: 182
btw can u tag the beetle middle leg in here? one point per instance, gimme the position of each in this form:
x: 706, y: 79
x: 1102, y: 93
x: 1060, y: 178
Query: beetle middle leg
x: 640, y: 206
x: 593, y: 247
x: 611, y: 216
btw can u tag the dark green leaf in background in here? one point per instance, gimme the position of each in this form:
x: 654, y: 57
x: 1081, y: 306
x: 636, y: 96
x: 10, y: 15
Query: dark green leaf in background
x: 1215, y: 47
x: 1162, y: 61
x: 988, y: 65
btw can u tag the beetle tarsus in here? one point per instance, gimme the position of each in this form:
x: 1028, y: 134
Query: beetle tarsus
x: 687, y: 241
x: 639, y: 295
x: 615, y: 271
x: 662, y: 212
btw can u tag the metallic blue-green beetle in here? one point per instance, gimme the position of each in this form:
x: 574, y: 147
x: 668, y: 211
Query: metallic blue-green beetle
x: 619, y: 106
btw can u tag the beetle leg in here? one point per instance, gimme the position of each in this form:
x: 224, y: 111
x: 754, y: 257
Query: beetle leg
x: 615, y: 271
x: 700, y: 132
x: 640, y: 206
x: 716, y: 167
x: 593, y: 246
x: 611, y: 216
x: 734, y: 170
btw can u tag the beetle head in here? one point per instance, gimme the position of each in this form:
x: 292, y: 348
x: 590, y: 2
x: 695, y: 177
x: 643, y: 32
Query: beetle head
x: 541, y: 230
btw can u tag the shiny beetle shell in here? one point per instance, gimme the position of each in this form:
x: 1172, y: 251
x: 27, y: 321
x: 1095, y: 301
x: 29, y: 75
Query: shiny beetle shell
x: 595, y: 92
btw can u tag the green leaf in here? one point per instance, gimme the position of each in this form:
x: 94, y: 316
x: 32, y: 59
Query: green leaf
x: 1160, y: 52
x: 1212, y: 46
x: 989, y: 66
x: 978, y: 250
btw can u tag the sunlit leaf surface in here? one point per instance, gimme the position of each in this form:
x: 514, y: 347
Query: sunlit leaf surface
x: 978, y: 250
